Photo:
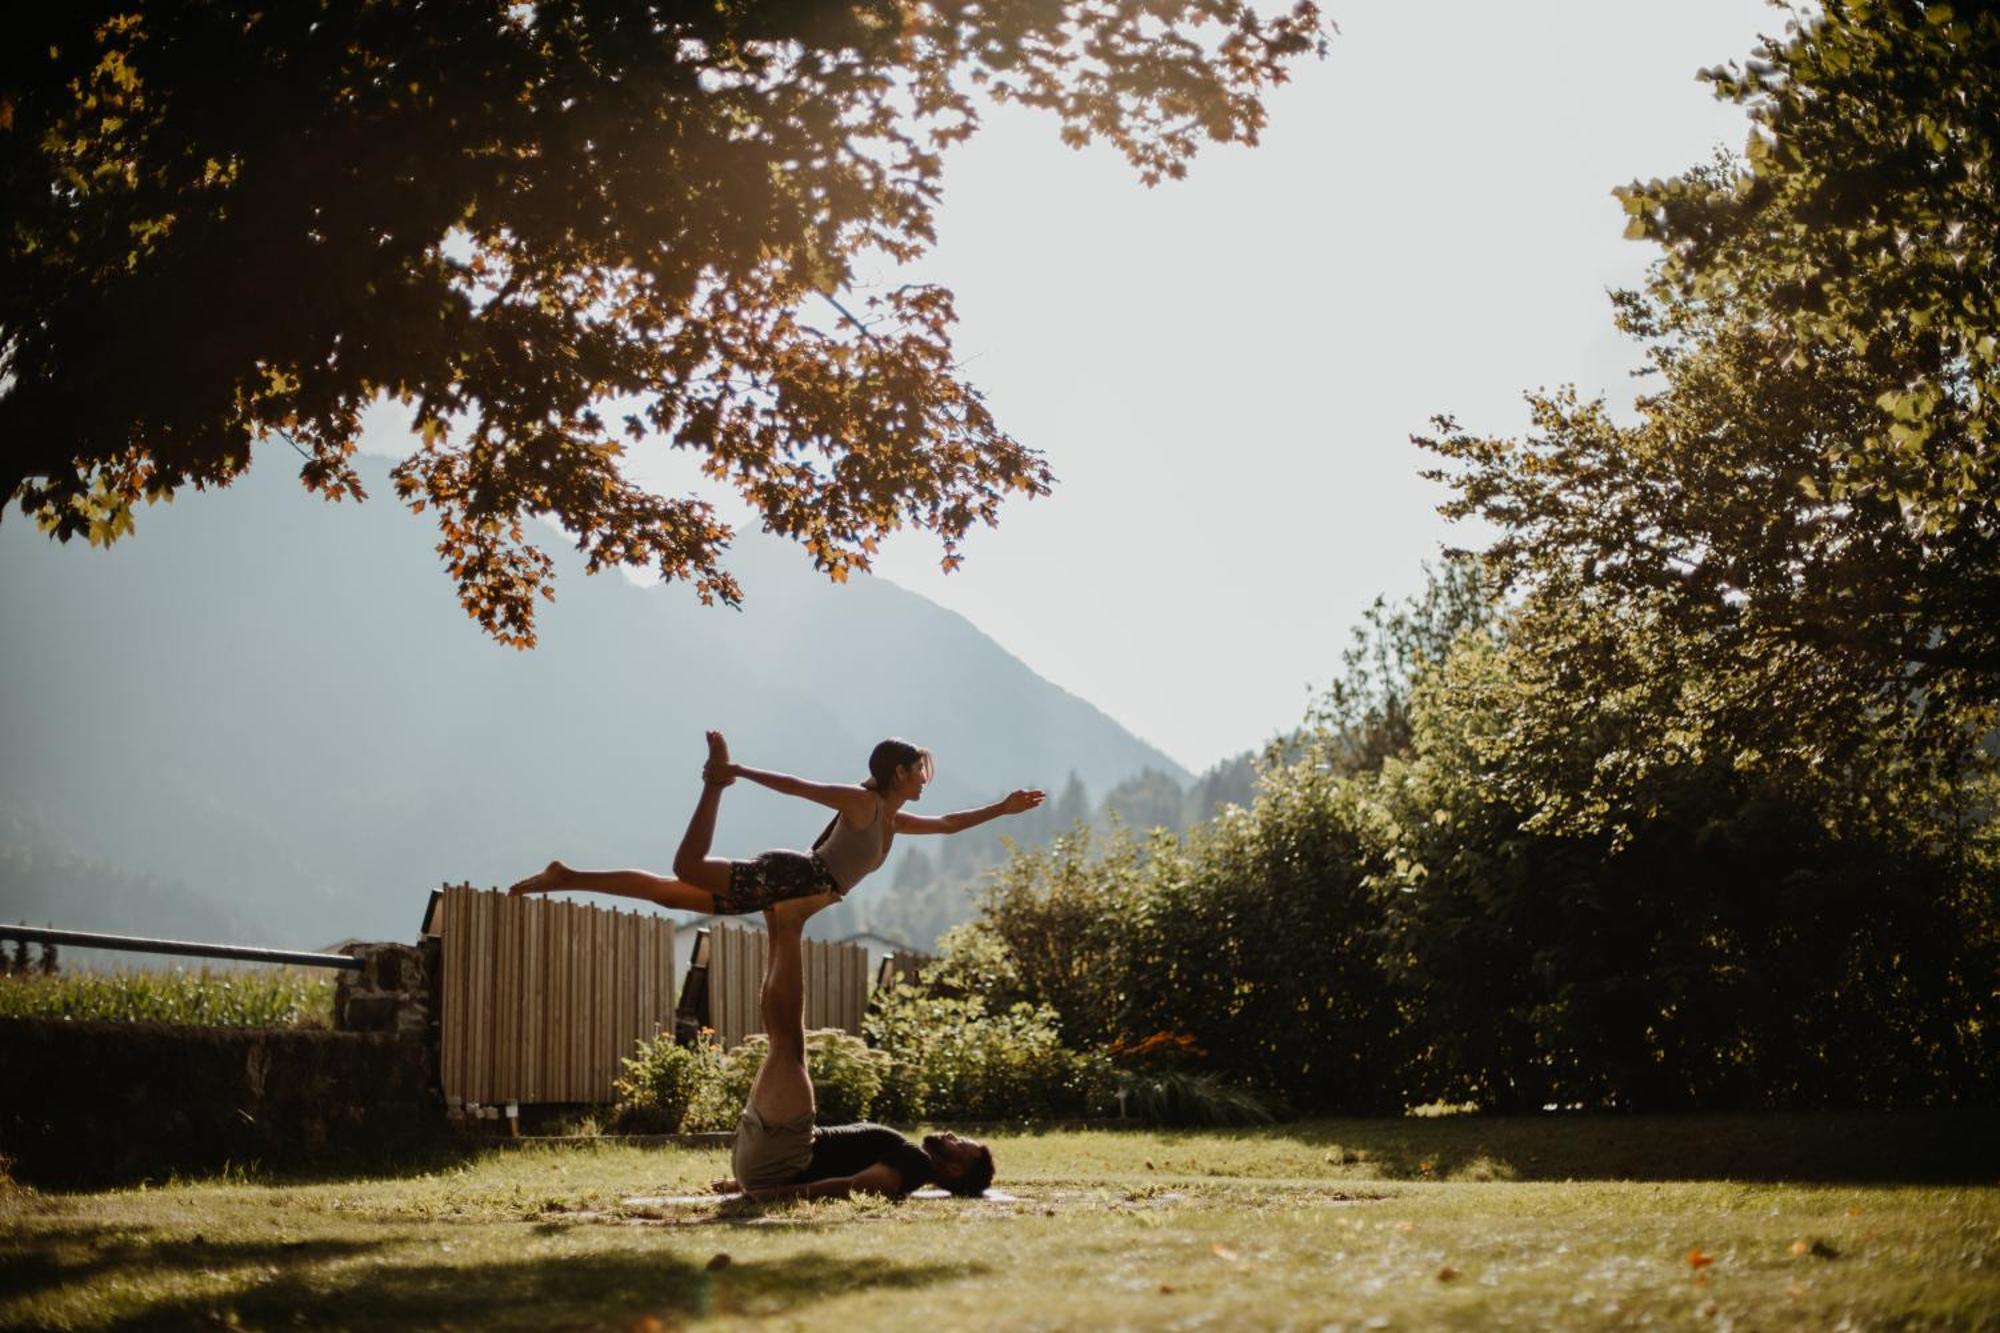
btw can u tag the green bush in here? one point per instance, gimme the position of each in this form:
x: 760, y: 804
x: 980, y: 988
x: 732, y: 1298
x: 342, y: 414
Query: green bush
x: 662, y: 1083
x: 847, y: 1079
x: 1184, y: 1097
x: 951, y: 1058
x: 719, y: 1101
x: 1056, y: 927
x: 1257, y: 934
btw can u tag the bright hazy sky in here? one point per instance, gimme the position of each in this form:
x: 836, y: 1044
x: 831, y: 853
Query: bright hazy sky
x: 1224, y: 371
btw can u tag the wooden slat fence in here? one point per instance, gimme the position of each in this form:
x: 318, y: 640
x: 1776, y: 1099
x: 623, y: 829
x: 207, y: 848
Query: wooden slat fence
x: 543, y: 998
x: 836, y: 977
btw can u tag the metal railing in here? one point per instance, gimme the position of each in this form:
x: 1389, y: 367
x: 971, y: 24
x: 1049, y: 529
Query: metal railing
x: 90, y: 939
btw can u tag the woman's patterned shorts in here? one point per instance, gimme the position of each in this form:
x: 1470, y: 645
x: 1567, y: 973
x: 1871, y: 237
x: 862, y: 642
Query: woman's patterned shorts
x: 772, y: 878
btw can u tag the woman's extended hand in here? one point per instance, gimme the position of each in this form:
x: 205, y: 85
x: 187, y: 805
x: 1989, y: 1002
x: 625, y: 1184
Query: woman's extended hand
x: 1020, y: 802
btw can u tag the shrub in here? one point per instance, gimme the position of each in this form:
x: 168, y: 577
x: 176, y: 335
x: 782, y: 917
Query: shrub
x: 720, y: 1099
x: 1063, y: 923
x: 951, y: 1057
x: 847, y: 1075
x: 847, y: 1080
x: 1257, y: 935
x: 1185, y: 1097
x: 661, y: 1084
x: 1160, y: 1079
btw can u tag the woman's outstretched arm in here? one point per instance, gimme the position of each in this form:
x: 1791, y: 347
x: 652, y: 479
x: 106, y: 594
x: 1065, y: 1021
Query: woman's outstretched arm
x: 1013, y: 803
x: 856, y: 802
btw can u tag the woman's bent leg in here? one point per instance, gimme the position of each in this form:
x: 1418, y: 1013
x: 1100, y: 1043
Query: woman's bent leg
x: 692, y: 863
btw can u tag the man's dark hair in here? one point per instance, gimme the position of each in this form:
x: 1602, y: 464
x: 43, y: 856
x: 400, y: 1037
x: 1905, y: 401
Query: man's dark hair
x: 978, y: 1174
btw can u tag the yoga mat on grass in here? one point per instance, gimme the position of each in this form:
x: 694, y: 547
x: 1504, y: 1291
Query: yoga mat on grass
x: 709, y: 1200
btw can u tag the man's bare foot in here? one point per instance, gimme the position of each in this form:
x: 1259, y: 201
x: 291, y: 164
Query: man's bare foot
x: 716, y: 771
x: 550, y: 877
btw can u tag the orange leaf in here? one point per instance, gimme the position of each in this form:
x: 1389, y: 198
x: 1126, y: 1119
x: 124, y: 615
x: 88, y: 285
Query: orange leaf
x: 1698, y: 1260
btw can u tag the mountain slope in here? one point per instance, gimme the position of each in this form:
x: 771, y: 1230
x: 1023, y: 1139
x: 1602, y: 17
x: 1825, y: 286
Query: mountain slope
x: 275, y: 706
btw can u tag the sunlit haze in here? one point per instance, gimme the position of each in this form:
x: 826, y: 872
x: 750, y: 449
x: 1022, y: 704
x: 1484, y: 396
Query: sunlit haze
x: 1224, y: 371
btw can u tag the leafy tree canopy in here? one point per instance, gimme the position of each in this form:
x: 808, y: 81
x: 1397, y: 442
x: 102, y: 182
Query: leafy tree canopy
x: 1791, y: 563
x: 226, y: 221
x: 1364, y: 716
x: 1693, y: 591
x: 1866, y: 218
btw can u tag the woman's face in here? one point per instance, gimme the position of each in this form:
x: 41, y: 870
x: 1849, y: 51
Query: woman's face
x: 910, y: 780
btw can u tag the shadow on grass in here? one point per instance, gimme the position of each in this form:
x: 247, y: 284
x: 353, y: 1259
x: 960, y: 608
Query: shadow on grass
x: 58, y: 1177
x: 591, y: 1291
x: 39, y: 1261
x: 1960, y: 1146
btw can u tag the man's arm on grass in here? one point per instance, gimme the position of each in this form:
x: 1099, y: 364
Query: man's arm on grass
x: 880, y: 1178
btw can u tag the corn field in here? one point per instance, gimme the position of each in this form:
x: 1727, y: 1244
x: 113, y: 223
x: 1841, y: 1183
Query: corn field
x: 275, y: 998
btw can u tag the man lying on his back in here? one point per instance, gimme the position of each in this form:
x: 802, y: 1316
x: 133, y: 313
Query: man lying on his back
x: 780, y: 1153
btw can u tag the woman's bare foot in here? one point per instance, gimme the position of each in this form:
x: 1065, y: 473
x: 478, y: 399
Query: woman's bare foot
x: 551, y: 876
x: 716, y: 772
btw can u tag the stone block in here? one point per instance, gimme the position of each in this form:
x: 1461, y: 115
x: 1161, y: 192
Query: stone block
x: 369, y: 1013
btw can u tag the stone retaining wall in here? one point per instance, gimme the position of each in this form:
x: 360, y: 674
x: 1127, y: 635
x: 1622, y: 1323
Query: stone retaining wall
x: 100, y: 1103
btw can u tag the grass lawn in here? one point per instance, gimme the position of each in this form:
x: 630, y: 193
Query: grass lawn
x: 1462, y: 1222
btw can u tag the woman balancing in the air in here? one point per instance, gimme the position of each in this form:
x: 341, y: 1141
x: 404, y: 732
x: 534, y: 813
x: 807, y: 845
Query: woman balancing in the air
x: 866, y: 819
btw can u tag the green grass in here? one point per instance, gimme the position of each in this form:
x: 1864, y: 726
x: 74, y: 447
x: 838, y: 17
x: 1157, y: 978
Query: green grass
x: 1808, y: 1222
x: 263, y: 998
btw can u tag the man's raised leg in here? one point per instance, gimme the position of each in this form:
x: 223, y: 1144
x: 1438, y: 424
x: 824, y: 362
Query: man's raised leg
x: 783, y: 1090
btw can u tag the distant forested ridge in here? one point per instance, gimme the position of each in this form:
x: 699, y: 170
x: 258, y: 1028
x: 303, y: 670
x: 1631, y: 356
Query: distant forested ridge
x: 936, y: 882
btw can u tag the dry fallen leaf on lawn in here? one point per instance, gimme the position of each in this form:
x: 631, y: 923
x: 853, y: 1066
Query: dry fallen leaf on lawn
x: 1698, y: 1260
x: 1406, y: 1226
x: 1447, y: 1273
x: 1801, y: 1247
x: 1224, y: 1252
x: 1167, y: 1289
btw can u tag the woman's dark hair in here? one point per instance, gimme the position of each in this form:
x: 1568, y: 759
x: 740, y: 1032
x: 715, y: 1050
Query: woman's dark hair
x: 883, y: 761
x: 891, y: 755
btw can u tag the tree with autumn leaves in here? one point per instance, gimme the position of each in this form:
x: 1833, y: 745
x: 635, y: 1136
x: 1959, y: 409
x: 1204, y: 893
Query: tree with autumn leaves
x: 551, y: 230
